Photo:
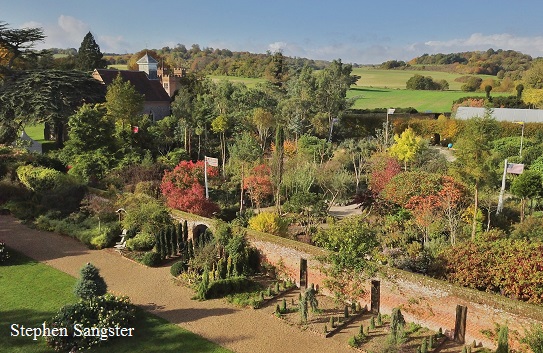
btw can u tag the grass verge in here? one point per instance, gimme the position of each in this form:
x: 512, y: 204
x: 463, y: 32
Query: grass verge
x: 32, y: 292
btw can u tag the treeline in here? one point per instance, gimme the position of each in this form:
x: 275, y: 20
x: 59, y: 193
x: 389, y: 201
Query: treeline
x: 501, y: 63
x: 210, y: 61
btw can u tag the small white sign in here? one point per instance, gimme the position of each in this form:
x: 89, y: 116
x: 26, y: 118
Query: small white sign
x: 214, y: 162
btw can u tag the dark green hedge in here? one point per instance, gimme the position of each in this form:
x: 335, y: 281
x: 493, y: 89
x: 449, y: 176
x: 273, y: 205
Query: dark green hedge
x: 223, y: 287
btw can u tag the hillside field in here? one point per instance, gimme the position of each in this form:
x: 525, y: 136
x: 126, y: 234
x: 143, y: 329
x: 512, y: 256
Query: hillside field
x: 423, y: 101
x: 372, y: 77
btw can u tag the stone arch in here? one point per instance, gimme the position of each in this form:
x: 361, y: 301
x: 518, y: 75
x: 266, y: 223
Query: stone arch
x: 197, y: 231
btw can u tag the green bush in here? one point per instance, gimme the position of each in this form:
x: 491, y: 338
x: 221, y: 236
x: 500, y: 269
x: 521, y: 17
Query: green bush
x: 90, y: 313
x: 40, y: 179
x: 151, y: 259
x: 223, y: 287
x: 141, y: 242
x: 178, y: 268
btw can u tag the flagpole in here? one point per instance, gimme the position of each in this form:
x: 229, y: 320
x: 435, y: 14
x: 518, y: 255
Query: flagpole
x: 205, y: 176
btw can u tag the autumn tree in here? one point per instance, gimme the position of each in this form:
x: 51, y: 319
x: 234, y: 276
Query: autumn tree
x: 473, y: 162
x: 219, y: 125
x: 526, y: 186
x: 258, y: 184
x: 183, y: 189
x: 243, y: 153
x: 382, y: 168
x: 89, y: 56
x: 407, y: 146
x: 264, y: 122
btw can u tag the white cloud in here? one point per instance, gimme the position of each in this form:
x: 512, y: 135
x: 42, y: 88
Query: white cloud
x: 478, y: 41
x: 68, y: 32
x: 113, y: 44
x: 277, y: 46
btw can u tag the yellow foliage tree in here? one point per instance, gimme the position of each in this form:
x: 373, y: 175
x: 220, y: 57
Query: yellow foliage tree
x: 406, y: 146
x: 533, y: 97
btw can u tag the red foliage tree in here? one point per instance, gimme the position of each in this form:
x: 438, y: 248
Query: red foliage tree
x: 259, y: 184
x: 382, y: 169
x: 183, y: 188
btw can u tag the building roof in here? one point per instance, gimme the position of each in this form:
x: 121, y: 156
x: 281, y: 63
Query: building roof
x: 146, y: 59
x: 502, y: 114
x: 151, y: 89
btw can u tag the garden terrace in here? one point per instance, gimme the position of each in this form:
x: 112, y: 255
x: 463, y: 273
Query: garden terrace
x: 426, y: 301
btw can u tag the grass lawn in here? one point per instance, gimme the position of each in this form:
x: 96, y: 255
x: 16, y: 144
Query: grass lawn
x: 31, y: 292
x: 435, y: 101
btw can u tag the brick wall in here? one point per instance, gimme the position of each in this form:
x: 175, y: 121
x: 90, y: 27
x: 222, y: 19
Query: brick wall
x: 426, y: 301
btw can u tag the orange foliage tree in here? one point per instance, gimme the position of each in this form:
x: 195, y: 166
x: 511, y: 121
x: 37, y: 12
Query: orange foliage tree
x: 259, y: 184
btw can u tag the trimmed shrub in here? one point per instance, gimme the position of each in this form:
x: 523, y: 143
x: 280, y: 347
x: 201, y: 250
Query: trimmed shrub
x: 141, y: 242
x: 91, y: 284
x: 223, y: 287
x: 372, y: 323
x: 503, y: 340
x: 178, y: 268
x: 40, y: 179
x: 90, y: 313
x: 151, y: 259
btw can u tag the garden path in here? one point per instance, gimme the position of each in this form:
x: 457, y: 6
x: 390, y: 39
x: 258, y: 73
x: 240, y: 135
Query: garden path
x: 241, y: 330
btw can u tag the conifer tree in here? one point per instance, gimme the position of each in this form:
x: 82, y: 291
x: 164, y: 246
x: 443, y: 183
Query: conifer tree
x: 159, y: 244
x: 503, y: 340
x: 163, y: 240
x: 174, y: 241
x: 185, y: 232
x: 180, y: 241
x: 89, y: 56
x: 91, y: 284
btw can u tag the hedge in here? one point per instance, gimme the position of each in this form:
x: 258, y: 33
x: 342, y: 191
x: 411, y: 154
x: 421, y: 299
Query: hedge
x: 223, y: 287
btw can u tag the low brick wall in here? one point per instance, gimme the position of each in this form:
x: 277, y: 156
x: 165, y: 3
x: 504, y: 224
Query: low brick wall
x: 426, y: 301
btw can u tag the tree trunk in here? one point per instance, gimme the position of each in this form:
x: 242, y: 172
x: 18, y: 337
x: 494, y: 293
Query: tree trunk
x: 241, y: 192
x: 476, y: 206
x: 522, y: 209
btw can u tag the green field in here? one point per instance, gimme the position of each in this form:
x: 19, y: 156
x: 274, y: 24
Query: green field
x: 31, y: 292
x: 371, y: 77
x: 249, y: 82
x: 118, y: 67
x: 378, y: 88
x: 434, y: 101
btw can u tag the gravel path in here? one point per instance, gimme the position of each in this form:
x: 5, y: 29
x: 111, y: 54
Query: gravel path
x: 241, y: 330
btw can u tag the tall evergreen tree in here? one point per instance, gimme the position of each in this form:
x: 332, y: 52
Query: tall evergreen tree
x: 174, y: 241
x: 185, y: 232
x: 89, y: 56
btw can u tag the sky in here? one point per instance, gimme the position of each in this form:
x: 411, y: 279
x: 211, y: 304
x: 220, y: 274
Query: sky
x: 355, y: 31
